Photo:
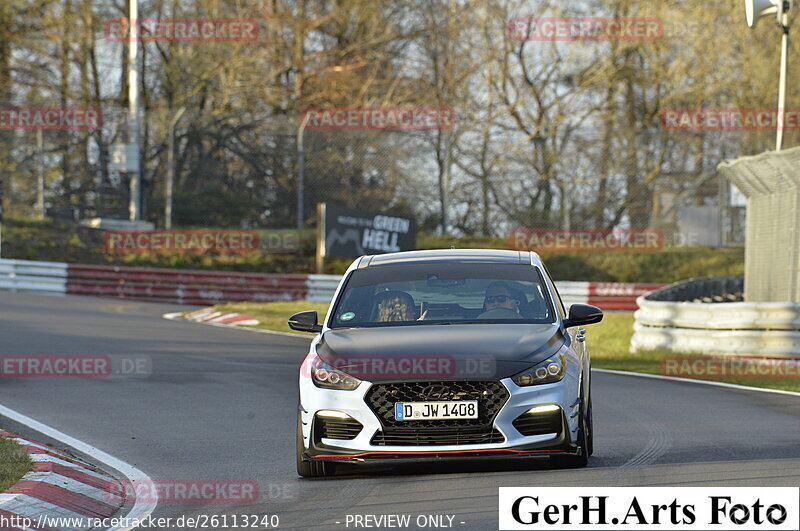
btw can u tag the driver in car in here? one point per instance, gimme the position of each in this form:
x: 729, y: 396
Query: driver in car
x: 397, y: 306
x: 499, y: 303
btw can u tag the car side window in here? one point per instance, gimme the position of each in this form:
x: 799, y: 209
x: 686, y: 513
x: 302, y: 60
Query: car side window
x: 559, y: 303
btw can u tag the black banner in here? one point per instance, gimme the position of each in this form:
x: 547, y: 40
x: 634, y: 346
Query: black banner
x: 350, y: 233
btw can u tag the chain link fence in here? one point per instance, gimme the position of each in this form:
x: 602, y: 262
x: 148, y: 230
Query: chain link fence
x: 242, y: 171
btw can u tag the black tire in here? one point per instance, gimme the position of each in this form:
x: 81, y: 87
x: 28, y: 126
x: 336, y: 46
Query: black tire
x: 581, y: 459
x: 310, y: 469
x: 590, y: 423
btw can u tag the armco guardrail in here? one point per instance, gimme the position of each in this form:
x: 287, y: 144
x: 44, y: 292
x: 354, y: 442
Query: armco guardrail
x: 616, y: 295
x: 182, y: 286
x: 708, y: 316
x: 606, y: 295
x: 212, y: 287
x: 322, y: 287
x: 40, y: 277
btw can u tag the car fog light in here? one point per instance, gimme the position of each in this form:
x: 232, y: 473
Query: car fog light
x: 542, y: 409
x: 333, y: 414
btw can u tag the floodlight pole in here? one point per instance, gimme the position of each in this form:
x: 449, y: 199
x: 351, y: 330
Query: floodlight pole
x: 40, y: 186
x: 784, y: 23
x: 171, y: 169
x: 301, y: 173
x: 135, y: 203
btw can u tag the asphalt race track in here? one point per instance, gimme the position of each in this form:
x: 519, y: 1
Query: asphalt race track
x: 221, y: 404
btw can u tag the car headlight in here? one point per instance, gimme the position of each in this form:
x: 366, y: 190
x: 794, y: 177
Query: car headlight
x: 323, y: 375
x: 549, y: 371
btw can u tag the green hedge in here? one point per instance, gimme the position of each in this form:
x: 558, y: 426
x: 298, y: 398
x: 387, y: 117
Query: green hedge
x: 45, y: 240
x: 666, y: 265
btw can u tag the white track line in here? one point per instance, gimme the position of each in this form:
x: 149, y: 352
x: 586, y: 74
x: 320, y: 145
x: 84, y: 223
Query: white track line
x: 702, y: 382
x: 140, y: 509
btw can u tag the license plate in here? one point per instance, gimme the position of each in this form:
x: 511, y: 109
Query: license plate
x: 466, y: 409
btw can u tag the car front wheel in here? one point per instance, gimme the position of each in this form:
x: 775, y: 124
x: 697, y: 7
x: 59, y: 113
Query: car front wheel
x: 581, y: 459
x: 310, y: 469
x: 590, y: 423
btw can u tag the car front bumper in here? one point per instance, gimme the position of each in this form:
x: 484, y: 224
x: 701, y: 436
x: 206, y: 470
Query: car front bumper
x: 359, y: 449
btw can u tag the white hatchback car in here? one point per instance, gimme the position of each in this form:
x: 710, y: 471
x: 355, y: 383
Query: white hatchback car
x: 446, y: 353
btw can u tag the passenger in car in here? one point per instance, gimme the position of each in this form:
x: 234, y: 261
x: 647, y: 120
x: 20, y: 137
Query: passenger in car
x: 395, y: 306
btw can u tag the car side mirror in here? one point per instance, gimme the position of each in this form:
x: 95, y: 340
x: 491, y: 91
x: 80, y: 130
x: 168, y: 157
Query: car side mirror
x: 305, y: 322
x: 583, y: 314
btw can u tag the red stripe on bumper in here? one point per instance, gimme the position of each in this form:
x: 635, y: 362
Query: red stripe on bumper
x: 443, y: 452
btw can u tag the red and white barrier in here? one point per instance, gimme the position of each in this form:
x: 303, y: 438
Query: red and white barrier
x: 616, y: 295
x: 573, y: 292
x: 214, y: 287
x: 183, y: 286
x: 605, y: 295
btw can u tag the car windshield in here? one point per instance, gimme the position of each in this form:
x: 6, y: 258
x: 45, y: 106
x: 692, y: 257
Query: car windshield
x: 446, y: 293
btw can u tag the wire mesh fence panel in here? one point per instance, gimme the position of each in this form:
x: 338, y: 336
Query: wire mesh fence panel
x: 217, y: 168
x: 230, y: 170
x: 772, y: 253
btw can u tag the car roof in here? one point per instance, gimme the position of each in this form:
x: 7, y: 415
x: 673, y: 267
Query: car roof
x: 448, y: 255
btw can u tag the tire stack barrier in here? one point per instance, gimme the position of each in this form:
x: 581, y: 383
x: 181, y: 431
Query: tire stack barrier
x: 709, y: 316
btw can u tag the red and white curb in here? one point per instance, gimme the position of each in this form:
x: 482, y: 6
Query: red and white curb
x: 141, y: 509
x: 211, y: 315
x: 59, y: 488
x: 223, y: 320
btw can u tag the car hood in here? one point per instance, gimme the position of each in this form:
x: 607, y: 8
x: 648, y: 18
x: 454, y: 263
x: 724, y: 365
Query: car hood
x: 435, y: 352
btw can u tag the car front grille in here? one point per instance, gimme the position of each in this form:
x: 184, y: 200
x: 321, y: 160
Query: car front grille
x: 336, y: 428
x: 491, y: 396
x: 437, y: 436
x: 538, y: 423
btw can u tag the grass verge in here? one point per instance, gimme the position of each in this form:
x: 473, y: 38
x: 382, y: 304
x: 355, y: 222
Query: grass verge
x: 273, y: 315
x: 609, y: 340
x: 14, y: 463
